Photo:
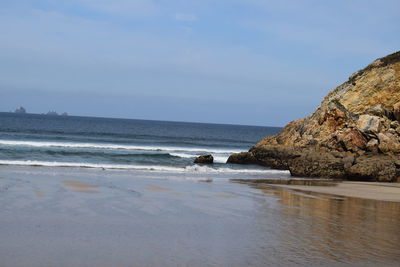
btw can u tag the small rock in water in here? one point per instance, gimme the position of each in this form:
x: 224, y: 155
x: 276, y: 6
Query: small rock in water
x: 204, y: 159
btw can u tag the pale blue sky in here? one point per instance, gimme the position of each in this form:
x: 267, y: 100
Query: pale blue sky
x: 226, y: 61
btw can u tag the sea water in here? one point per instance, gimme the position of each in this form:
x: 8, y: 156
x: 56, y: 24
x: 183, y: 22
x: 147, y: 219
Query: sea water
x: 113, y: 192
x: 126, y: 144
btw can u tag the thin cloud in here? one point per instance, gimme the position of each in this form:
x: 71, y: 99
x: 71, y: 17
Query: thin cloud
x: 145, y: 47
x: 122, y: 7
x: 185, y: 17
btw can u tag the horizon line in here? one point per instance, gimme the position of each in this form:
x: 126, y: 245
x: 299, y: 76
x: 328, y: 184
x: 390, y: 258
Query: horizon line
x: 121, y: 118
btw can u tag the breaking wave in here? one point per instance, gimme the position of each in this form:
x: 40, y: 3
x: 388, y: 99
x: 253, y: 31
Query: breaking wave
x: 189, y: 169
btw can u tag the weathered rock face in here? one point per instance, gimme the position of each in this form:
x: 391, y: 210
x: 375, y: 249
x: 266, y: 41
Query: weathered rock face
x: 242, y: 158
x: 204, y: 159
x: 353, y: 134
x: 373, y: 167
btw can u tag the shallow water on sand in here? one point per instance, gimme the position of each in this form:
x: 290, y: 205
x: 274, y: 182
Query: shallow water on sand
x: 49, y: 218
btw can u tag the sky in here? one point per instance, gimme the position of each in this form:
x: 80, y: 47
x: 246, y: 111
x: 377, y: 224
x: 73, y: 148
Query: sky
x: 251, y: 62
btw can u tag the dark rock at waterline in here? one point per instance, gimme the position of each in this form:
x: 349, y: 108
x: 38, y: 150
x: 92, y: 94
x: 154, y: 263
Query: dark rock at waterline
x: 373, y: 167
x: 242, y: 158
x: 204, y: 159
x: 317, y: 163
x: 354, y: 134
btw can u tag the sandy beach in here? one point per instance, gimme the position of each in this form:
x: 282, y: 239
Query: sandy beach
x: 366, y: 190
x: 356, y: 189
x: 87, y: 217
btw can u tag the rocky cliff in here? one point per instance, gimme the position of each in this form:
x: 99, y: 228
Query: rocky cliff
x: 353, y: 134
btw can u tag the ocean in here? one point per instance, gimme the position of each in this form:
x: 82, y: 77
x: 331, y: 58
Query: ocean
x: 80, y: 191
x: 126, y: 144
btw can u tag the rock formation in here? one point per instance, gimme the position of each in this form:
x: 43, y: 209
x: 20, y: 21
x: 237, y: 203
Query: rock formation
x: 21, y: 110
x: 204, y: 159
x: 353, y: 134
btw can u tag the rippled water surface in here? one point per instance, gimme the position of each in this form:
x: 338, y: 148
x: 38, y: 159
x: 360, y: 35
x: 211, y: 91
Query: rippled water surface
x: 72, y: 141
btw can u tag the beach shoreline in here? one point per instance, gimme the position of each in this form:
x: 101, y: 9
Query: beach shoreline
x: 367, y: 190
x: 85, y: 217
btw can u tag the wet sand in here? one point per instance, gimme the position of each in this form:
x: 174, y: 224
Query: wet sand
x: 86, y: 217
x: 367, y: 190
x: 79, y: 186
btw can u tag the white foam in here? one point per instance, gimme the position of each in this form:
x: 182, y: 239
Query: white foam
x: 206, y: 169
x: 182, y: 155
x: 113, y: 146
x: 190, y: 169
x: 220, y: 159
x: 81, y: 164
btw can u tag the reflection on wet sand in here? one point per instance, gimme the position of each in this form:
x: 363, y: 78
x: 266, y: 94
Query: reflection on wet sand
x: 137, y: 221
x: 155, y: 188
x: 342, y: 229
x: 79, y: 186
x: 39, y: 193
x: 225, y: 195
